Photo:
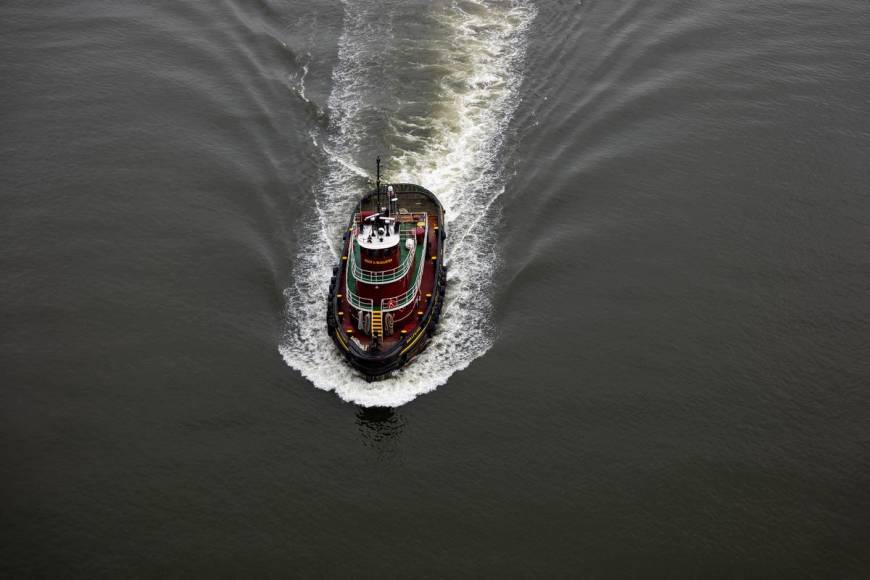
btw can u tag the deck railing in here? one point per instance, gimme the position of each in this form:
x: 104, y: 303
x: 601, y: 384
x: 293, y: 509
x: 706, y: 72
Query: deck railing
x: 403, y: 300
x: 380, y: 277
x: 359, y: 302
x: 385, y: 276
x: 398, y: 302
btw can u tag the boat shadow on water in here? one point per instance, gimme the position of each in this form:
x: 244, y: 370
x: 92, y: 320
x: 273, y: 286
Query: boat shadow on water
x: 381, y: 429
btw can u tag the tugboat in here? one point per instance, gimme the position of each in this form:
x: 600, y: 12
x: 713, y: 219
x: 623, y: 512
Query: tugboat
x: 387, y: 290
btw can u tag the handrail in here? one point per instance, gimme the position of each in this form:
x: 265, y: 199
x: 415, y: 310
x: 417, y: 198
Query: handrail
x: 374, y: 277
x: 380, y: 277
x: 358, y: 302
x: 405, y: 299
x: 383, y: 276
x: 402, y: 300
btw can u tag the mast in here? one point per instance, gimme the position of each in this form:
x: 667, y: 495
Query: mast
x: 378, y: 184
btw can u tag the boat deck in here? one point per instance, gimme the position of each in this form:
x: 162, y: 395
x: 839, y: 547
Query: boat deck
x: 347, y: 314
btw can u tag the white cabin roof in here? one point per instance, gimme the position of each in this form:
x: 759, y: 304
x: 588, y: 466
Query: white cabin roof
x: 371, y: 240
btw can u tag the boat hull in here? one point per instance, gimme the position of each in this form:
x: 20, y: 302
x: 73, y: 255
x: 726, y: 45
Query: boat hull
x: 376, y: 360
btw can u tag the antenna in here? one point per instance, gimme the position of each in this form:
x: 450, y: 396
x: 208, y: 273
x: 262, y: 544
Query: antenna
x: 378, y: 183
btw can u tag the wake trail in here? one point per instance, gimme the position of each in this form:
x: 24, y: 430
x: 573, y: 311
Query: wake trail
x: 440, y: 97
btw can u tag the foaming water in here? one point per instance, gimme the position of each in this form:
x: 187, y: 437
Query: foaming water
x: 435, y: 99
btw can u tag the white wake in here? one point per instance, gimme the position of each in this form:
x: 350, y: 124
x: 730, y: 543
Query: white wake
x: 444, y: 123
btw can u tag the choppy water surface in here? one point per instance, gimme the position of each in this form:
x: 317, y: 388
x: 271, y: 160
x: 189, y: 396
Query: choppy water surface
x: 653, y: 360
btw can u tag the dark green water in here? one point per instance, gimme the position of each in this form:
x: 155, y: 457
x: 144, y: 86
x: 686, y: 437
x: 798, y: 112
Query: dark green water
x: 655, y: 357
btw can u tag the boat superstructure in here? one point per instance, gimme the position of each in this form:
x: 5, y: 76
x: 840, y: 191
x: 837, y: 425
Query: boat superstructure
x: 387, y: 291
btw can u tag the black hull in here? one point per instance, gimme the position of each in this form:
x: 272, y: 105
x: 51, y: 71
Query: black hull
x: 377, y: 365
